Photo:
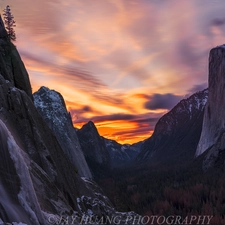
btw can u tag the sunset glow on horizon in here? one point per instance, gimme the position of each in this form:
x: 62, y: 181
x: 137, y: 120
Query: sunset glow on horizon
x: 121, y: 64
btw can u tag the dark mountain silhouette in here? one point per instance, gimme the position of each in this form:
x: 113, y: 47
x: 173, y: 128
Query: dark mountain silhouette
x: 102, y: 153
x: 94, y: 148
x: 176, y: 134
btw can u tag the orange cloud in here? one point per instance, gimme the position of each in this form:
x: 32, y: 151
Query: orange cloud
x: 110, y: 57
x: 124, y: 132
x: 124, y: 128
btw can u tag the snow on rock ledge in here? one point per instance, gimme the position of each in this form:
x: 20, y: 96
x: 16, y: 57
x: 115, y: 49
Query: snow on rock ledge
x: 51, y: 106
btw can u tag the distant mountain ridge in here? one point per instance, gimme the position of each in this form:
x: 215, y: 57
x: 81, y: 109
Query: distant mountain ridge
x: 121, y: 154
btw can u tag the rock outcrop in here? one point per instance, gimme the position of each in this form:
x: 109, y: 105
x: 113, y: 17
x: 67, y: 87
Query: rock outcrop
x: 177, y: 133
x: 213, y: 129
x: 94, y: 148
x: 51, y: 106
x: 214, y: 116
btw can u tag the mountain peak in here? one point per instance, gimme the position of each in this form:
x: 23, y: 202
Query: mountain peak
x: 94, y: 148
x: 44, y: 89
x: 51, y: 106
x: 50, y: 100
x: 90, y: 126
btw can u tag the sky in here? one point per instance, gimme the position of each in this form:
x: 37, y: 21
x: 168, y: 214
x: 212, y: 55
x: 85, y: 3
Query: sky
x: 120, y: 63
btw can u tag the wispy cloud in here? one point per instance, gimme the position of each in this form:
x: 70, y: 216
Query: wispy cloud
x: 69, y: 73
x: 117, y: 60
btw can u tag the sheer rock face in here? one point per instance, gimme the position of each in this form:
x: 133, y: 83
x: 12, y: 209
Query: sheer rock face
x: 212, y: 141
x: 11, y: 65
x: 177, y: 133
x: 9, y: 183
x: 36, y: 139
x: 214, y: 116
x: 51, y: 106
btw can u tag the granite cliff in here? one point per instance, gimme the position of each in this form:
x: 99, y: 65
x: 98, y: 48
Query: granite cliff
x: 51, y: 106
x: 212, y: 140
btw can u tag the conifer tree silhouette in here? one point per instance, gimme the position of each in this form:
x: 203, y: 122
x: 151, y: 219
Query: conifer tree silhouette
x: 9, y: 23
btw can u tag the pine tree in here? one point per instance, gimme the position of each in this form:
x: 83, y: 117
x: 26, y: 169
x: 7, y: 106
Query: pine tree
x: 9, y: 23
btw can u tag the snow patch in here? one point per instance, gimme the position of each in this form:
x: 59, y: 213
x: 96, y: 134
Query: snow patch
x: 51, y: 106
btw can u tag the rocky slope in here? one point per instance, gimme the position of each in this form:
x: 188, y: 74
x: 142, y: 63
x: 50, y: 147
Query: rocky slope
x: 51, y: 106
x: 177, y: 133
x: 213, y: 130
